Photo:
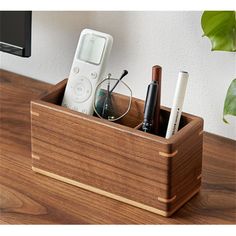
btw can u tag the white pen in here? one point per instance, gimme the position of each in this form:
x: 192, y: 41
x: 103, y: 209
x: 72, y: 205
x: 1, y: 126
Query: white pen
x: 176, y: 110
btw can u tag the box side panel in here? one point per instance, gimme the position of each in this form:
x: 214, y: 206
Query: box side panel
x: 109, y: 158
x: 186, y: 166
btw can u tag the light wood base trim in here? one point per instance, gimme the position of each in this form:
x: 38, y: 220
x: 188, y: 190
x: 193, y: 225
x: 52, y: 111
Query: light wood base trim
x: 111, y: 195
x: 101, y: 192
x: 35, y: 156
x: 201, y: 132
x: 34, y: 113
x: 166, y: 200
x: 164, y: 154
x: 199, y: 176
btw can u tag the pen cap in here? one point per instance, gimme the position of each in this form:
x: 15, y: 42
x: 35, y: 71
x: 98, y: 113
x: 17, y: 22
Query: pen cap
x: 150, y: 101
x: 156, y: 73
x: 180, y: 88
x: 176, y: 110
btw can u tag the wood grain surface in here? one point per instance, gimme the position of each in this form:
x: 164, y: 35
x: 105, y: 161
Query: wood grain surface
x: 29, y: 198
x: 125, y: 163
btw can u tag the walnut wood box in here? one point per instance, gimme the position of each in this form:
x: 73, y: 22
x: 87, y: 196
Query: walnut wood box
x: 117, y: 160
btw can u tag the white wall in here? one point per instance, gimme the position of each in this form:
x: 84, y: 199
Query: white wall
x: 141, y: 40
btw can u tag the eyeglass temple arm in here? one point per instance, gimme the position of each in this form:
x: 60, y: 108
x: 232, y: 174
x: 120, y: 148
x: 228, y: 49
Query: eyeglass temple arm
x: 125, y: 72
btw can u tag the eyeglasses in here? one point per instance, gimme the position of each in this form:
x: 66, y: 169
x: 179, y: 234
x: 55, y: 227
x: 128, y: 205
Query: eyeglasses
x: 108, y: 96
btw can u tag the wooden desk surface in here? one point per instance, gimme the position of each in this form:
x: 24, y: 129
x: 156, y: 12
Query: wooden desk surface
x: 29, y: 198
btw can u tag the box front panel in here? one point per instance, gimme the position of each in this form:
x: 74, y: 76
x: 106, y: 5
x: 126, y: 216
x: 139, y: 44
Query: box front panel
x: 106, y: 157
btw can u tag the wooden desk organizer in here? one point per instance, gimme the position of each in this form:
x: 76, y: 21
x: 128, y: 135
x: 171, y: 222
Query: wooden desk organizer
x: 117, y: 160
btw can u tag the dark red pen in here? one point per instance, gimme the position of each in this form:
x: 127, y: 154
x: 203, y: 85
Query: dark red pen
x: 156, y: 76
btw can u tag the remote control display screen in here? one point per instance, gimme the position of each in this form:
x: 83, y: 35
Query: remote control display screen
x: 91, y: 48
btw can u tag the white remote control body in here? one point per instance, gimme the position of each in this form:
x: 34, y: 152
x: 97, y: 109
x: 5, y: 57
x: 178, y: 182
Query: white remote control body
x: 87, y: 70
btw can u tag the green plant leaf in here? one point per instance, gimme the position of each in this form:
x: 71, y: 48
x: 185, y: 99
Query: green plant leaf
x: 230, y: 101
x: 220, y: 28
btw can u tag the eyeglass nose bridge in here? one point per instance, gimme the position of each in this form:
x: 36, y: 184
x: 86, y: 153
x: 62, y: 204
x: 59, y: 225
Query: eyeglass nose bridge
x: 107, y: 104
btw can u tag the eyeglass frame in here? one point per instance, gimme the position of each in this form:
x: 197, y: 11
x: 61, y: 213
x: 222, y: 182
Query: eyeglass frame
x: 131, y: 94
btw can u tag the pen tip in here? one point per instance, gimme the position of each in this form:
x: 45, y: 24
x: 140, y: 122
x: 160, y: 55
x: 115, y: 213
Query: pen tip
x: 183, y: 74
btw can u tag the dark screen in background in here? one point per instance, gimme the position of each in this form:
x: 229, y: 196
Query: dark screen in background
x: 13, y: 27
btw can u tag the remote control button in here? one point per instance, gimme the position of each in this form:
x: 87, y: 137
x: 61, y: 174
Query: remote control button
x: 82, y: 89
x: 93, y: 75
x: 76, y: 70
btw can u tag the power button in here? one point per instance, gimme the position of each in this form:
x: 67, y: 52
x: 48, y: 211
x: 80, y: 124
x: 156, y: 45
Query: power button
x: 93, y: 75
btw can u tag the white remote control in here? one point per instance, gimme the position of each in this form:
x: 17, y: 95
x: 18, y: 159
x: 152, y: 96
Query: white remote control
x: 87, y: 69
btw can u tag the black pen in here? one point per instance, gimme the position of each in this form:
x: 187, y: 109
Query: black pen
x: 150, y: 106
